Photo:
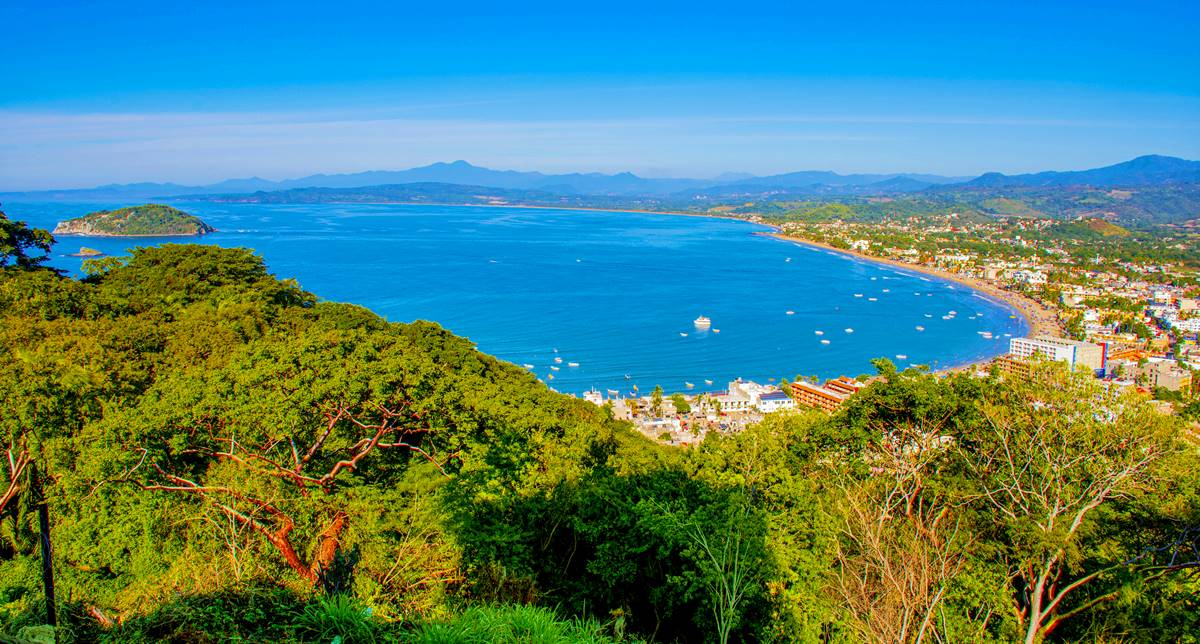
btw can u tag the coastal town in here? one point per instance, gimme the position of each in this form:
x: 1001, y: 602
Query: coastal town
x: 1125, y: 310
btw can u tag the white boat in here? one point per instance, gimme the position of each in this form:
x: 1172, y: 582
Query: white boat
x: 920, y: 328
x: 791, y: 312
x: 788, y: 259
x: 947, y: 317
x: 849, y: 330
x: 702, y: 322
x: 987, y: 335
x: 716, y: 330
x: 901, y: 356
x: 824, y: 341
x: 572, y: 364
x: 953, y: 312
x: 858, y: 295
x: 887, y: 290
x: 628, y: 377
x: 928, y: 315
x: 527, y: 366
x: 819, y: 332
x: 872, y: 299
x: 682, y: 334
x: 550, y: 377
x: 557, y: 359
x: 707, y: 382
x: 553, y: 368
x: 688, y: 385
x: 613, y: 393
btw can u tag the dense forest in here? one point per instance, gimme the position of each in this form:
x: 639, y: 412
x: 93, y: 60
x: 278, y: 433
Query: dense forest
x: 225, y: 456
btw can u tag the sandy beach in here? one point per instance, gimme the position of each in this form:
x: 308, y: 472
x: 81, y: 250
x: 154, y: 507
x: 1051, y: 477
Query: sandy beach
x: 1041, y: 319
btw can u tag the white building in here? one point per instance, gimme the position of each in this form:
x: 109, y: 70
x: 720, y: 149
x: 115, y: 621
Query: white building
x: 1072, y: 352
x: 775, y: 401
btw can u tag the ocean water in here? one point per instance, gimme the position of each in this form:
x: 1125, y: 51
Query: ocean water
x: 615, y: 293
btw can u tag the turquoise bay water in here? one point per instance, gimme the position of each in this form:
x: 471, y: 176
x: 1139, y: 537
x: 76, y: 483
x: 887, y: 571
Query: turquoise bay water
x: 613, y: 292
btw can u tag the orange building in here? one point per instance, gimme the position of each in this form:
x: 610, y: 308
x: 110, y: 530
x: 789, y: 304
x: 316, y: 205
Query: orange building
x: 828, y: 397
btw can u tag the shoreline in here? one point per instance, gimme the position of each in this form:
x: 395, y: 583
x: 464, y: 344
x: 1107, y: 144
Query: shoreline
x: 1040, y: 319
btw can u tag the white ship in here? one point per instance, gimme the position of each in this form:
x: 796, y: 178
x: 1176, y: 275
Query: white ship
x: 702, y: 322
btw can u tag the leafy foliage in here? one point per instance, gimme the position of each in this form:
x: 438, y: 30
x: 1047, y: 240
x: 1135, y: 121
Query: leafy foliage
x: 17, y: 239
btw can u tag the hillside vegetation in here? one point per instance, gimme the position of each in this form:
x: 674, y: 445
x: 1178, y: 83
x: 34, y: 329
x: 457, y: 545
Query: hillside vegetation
x: 149, y: 219
x: 224, y: 456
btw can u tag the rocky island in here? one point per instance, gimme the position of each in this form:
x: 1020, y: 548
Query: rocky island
x: 84, y: 251
x: 149, y: 220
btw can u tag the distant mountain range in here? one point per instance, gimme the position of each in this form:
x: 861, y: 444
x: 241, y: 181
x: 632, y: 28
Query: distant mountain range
x: 1142, y: 171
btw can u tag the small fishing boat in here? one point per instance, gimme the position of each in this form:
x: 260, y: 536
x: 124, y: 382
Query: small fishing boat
x: 791, y: 312
x: 928, y: 315
x: 788, y: 259
x: 707, y: 381
x: 947, y: 317
x: 527, y: 366
x: 557, y: 359
x: 858, y: 295
x: 849, y: 330
x: 887, y: 290
x: 689, y: 385
x: 553, y: 368
x: 901, y: 356
x: 872, y: 299
x: 819, y: 332
x: 572, y: 364
x: 682, y: 334
x: 824, y: 341
x: 920, y: 328
x: 716, y: 330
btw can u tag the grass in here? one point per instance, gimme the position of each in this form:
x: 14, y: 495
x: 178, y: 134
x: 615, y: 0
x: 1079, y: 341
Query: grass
x: 512, y: 625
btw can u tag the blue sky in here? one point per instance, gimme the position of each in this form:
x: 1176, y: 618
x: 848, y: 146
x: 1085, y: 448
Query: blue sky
x: 98, y: 92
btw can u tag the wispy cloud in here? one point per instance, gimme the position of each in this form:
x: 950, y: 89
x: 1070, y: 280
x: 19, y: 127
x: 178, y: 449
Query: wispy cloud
x: 56, y: 149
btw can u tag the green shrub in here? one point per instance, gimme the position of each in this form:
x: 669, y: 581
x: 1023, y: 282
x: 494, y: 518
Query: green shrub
x: 336, y: 616
x: 510, y: 625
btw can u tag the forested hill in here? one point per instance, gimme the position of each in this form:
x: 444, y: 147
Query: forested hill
x: 141, y: 221
x: 226, y: 457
